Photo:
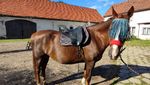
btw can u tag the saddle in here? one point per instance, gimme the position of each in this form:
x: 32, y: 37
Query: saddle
x: 77, y: 37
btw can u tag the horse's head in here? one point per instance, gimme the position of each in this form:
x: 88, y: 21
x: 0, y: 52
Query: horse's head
x: 119, y: 30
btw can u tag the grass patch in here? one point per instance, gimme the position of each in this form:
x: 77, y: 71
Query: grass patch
x: 137, y: 42
x: 132, y: 42
x: 13, y: 40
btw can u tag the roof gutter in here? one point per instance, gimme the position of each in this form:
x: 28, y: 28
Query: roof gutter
x: 47, y: 18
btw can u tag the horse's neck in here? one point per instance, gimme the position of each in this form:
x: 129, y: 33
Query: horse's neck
x: 104, y: 26
x: 101, y: 32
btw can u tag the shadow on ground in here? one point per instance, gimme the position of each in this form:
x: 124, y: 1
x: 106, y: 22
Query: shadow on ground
x: 16, y: 77
x: 108, y: 72
x: 15, y: 51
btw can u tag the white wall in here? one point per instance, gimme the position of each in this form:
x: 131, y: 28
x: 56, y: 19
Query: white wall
x: 53, y: 24
x: 137, y: 19
x: 42, y: 24
x: 106, y: 18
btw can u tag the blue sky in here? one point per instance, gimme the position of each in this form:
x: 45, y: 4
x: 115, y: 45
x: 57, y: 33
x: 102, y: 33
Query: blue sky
x: 101, y: 5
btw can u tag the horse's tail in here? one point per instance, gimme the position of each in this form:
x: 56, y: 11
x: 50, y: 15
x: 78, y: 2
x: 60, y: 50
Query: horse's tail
x: 29, y: 45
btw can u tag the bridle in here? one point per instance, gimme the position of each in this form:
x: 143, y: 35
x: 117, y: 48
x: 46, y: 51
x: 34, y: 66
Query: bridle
x: 118, y: 33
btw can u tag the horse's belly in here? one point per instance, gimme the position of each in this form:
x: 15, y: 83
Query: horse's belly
x: 67, y: 59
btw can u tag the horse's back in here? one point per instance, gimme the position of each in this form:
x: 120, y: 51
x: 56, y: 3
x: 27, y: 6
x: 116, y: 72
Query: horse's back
x: 42, y: 33
x: 40, y: 38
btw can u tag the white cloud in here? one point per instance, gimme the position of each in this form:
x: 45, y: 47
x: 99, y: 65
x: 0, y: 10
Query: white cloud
x: 93, y: 7
x: 108, y: 3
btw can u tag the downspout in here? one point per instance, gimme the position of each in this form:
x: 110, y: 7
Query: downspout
x: 3, y: 27
x: 53, y: 26
x: 138, y: 30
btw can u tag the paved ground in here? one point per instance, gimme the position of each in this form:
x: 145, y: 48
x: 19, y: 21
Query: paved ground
x: 138, y: 59
x: 16, y: 68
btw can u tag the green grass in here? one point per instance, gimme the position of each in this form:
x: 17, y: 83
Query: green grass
x: 132, y: 42
x: 13, y: 40
x: 137, y: 42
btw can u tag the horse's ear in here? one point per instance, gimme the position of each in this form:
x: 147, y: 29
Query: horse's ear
x: 114, y: 13
x: 131, y: 11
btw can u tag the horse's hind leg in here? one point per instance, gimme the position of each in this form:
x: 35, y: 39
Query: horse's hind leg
x: 39, y: 64
x: 42, y: 66
x: 36, y: 64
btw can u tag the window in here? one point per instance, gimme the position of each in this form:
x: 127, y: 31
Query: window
x: 132, y: 30
x: 146, y: 31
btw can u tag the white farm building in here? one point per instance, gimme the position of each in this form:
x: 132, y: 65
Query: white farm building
x: 20, y: 18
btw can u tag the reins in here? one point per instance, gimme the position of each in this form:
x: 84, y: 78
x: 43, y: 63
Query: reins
x: 129, y: 66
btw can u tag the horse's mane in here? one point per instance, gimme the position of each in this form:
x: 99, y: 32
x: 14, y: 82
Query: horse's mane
x: 102, y: 25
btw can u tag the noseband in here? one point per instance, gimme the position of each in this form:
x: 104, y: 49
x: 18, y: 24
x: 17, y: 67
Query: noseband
x: 116, y: 42
x: 119, y: 31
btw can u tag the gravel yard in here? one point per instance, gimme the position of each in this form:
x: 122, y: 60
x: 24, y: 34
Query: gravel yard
x: 16, y: 68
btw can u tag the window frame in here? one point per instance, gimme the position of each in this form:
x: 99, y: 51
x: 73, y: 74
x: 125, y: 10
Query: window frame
x: 146, y: 31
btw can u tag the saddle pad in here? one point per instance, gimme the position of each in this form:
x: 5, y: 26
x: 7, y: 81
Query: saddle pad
x: 78, y: 36
x: 65, y: 40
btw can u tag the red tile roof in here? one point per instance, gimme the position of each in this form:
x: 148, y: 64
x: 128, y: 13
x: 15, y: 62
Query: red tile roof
x: 48, y: 10
x: 139, y: 5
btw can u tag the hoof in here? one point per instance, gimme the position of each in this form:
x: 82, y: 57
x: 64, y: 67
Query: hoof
x: 38, y: 84
x: 44, y: 82
x: 83, y: 81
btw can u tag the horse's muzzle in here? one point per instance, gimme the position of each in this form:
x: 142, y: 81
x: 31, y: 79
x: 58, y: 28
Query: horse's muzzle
x: 114, y: 52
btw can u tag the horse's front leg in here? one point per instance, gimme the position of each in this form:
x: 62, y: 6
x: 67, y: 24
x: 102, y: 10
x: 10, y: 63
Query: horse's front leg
x: 87, y: 72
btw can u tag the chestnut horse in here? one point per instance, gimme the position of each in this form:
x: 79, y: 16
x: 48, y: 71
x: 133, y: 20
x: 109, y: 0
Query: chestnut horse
x: 46, y: 44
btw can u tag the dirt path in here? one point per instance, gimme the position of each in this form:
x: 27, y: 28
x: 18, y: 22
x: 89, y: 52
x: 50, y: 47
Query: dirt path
x: 16, y: 68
